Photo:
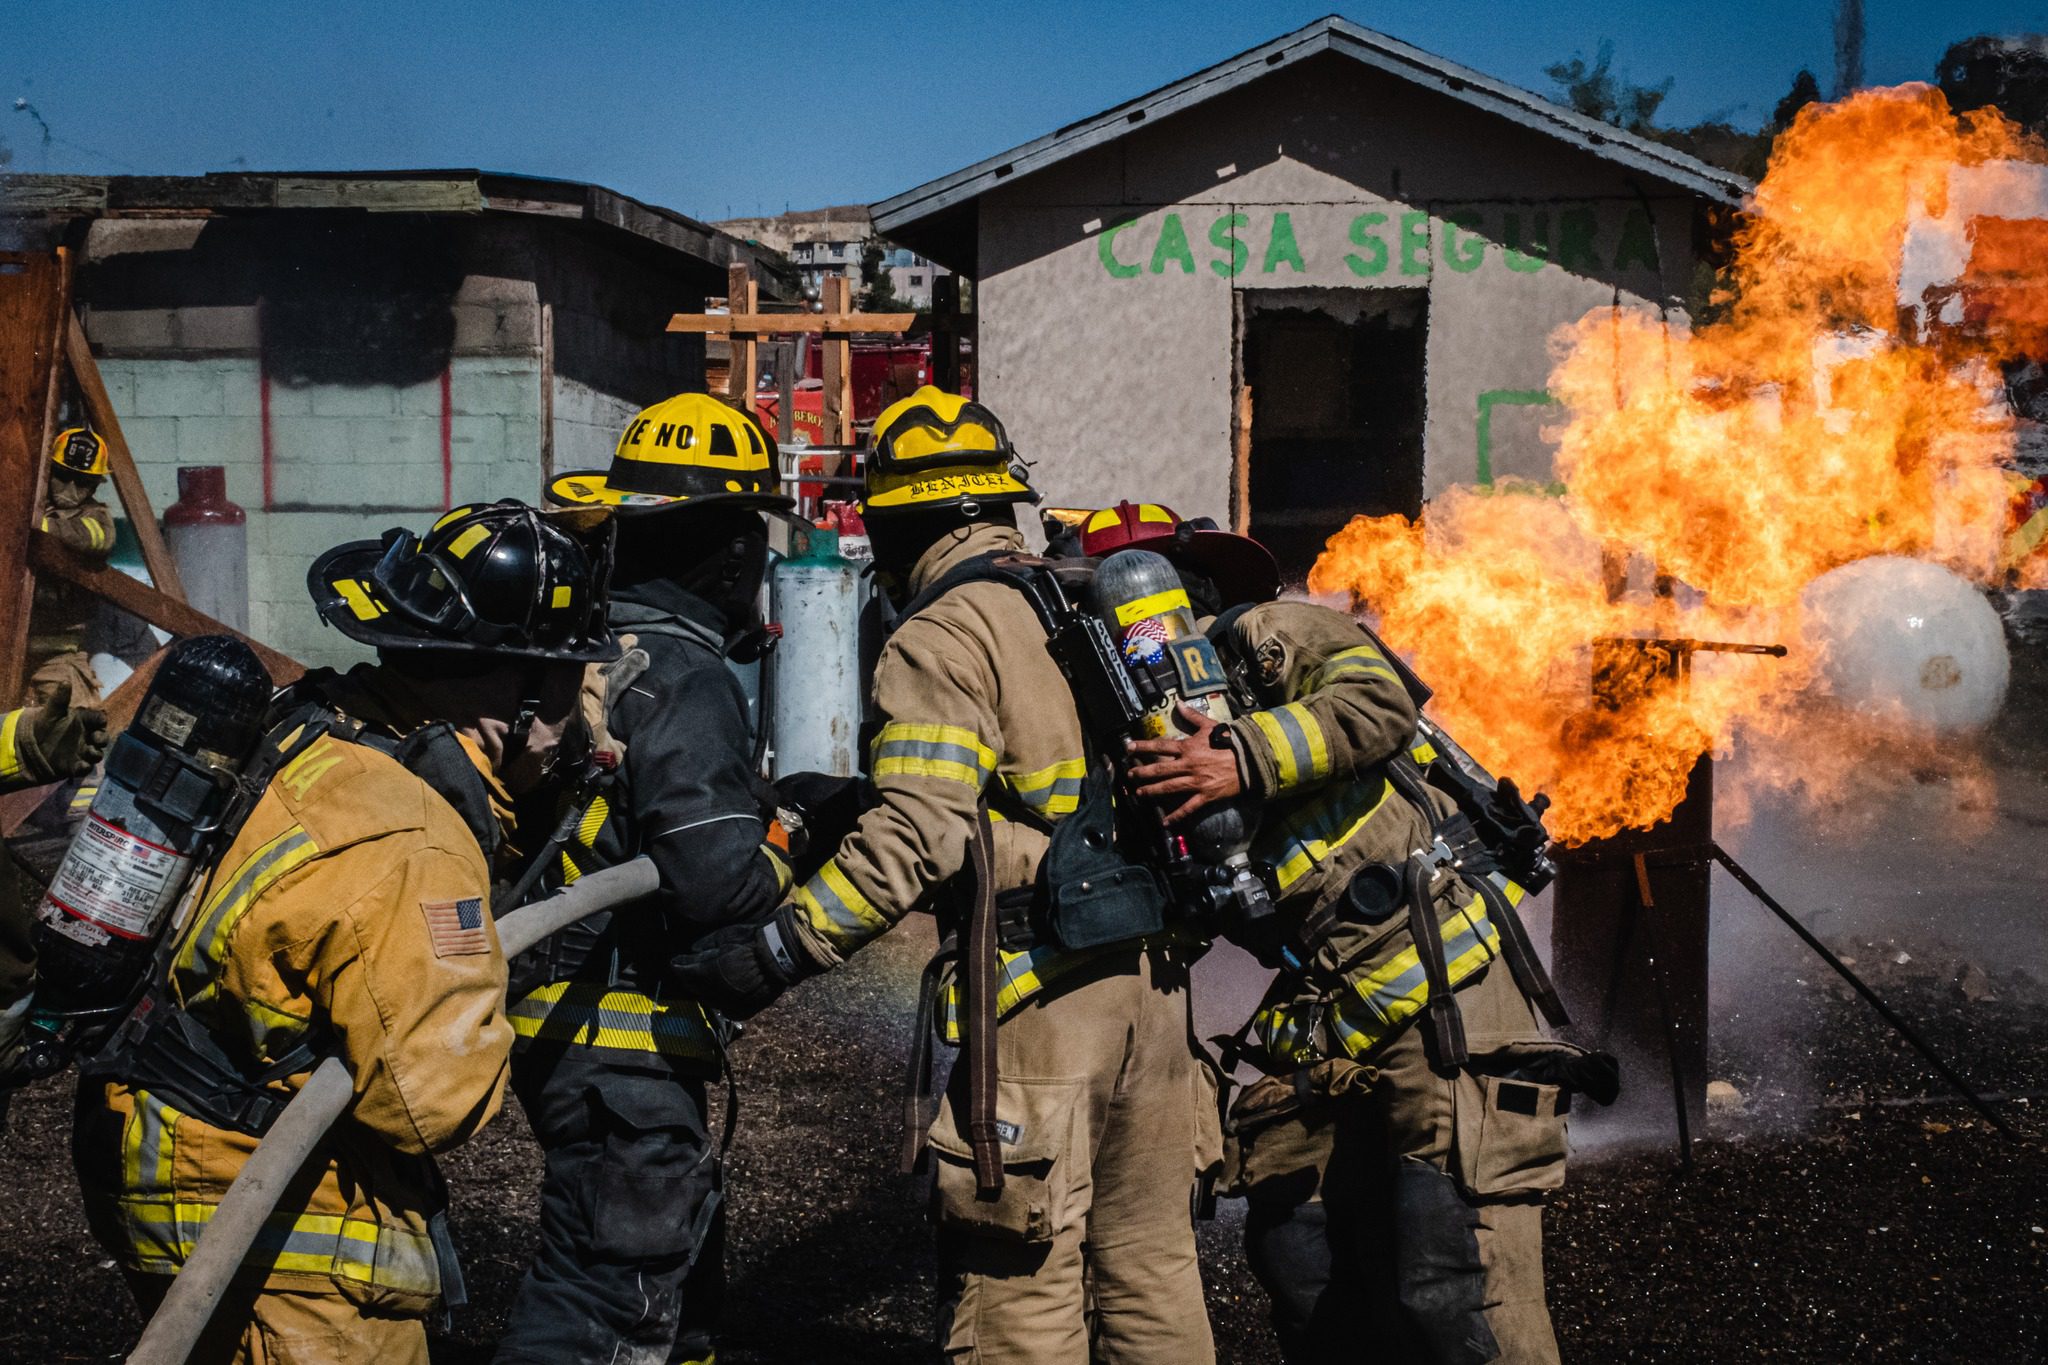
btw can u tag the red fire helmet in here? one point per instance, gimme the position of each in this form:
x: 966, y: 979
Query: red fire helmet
x: 1242, y: 569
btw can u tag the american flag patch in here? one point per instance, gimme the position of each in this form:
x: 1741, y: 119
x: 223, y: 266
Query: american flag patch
x: 456, y: 927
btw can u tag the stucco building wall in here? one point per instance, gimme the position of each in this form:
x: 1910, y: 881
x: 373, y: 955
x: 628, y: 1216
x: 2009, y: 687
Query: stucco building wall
x: 1114, y: 286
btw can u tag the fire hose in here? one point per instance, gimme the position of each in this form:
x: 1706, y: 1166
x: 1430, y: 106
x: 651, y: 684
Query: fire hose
x: 196, y: 1292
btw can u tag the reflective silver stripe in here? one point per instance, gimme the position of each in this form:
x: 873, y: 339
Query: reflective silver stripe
x: 711, y: 820
x: 1067, y: 788
x: 1297, y: 740
x: 927, y: 748
x: 843, y: 916
x: 225, y: 904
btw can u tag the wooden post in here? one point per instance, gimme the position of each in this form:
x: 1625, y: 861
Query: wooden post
x: 1241, y: 463
x: 547, y: 397
x: 29, y: 337
x: 156, y: 555
x: 838, y: 366
x: 785, y: 390
x: 946, y: 333
x: 742, y: 296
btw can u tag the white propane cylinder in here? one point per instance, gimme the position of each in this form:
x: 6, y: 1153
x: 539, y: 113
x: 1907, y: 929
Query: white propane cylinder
x: 1905, y: 640
x: 816, y: 702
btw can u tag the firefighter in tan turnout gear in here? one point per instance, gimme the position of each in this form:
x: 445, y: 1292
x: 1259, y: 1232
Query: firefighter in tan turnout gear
x: 1064, y: 1171
x: 1396, y: 1157
x: 350, y: 916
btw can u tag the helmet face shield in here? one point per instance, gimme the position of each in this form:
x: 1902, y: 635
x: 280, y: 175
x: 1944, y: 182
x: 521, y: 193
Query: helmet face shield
x: 491, y: 578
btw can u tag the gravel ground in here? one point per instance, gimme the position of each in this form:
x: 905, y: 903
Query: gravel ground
x: 1844, y: 1209
x: 1852, y: 1224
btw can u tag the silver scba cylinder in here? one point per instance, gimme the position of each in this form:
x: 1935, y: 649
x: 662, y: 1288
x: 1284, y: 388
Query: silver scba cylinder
x: 815, y: 710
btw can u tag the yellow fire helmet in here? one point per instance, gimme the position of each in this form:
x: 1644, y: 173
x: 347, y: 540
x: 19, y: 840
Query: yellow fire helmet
x: 81, y: 451
x: 936, y: 449
x: 689, y: 450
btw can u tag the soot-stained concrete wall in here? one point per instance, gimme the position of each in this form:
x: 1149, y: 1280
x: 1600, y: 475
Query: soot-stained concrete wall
x: 1113, y: 284
x: 354, y: 373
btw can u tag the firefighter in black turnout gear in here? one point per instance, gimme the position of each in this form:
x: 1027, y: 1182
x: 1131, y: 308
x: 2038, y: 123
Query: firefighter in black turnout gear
x: 612, y: 1064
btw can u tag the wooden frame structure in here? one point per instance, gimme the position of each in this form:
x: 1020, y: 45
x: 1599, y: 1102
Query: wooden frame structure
x: 41, y: 340
x: 745, y: 325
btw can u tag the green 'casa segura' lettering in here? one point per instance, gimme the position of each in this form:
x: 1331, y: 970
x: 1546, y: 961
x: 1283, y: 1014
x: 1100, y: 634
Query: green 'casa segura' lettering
x: 1525, y: 239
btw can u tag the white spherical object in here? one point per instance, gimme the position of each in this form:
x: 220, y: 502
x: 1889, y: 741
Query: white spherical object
x: 1908, y: 641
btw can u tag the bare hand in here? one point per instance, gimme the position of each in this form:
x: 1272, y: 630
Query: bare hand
x: 1195, y: 765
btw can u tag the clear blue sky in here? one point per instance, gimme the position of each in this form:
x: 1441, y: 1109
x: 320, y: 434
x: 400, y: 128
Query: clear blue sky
x: 740, y: 108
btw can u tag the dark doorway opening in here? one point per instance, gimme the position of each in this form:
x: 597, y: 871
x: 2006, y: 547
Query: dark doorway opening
x: 1337, y: 388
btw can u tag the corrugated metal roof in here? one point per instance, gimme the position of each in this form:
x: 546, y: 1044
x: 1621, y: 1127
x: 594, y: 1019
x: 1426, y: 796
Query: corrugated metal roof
x: 954, y: 192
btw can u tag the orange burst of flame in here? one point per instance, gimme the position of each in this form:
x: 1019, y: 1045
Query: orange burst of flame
x: 1814, y: 423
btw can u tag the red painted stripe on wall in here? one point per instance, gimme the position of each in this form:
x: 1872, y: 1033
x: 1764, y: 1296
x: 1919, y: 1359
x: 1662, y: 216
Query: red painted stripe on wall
x: 447, y: 440
x: 269, y: 446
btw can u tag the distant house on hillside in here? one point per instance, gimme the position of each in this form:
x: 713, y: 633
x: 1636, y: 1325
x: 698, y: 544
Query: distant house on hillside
x: 826, y: 242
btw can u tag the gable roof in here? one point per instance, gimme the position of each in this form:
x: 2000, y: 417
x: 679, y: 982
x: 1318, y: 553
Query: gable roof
x: 937, y: 219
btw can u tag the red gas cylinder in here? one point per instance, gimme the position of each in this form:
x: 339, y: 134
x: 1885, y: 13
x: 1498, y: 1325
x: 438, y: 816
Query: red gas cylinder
x: 209, y: 539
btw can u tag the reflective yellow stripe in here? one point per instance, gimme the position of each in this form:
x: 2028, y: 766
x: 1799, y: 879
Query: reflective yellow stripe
x: 10, y: 753
x: 1423, y: 753
x: 147, y: 1142
x: 570, y: 872
x: 593, y: 822
x: 468, y: 540
x: 1327, y: 826
x: 1155, y: 604
x: 206, y: 939
x: 1300, y: 753
x: 592, y: 1015
x: 162, y: 1232
x: 1022, y: 975
x: 1386, y: 997
x: 944, y: 751
x: 783, y: 874
x: 1051, y: 790
x: 1364, y: 661
x: 837, y: 910
x: 359, y: 601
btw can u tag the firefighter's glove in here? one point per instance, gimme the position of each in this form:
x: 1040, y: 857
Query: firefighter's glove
x: 59, y: 740
x: 741, y: 969
x: 1187, y: 774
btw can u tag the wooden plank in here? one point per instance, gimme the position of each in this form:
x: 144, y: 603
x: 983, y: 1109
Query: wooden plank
x: 48, y: 555
x: 838, y: 366
x: 36, y: 194
x: 781, y: 324
x: 156, y: 555
x: 380, y: 196
x: 29, y: 282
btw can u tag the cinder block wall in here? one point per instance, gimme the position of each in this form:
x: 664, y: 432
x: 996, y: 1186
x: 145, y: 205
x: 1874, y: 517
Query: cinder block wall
x: 440, y: 400
x: 344, y: 463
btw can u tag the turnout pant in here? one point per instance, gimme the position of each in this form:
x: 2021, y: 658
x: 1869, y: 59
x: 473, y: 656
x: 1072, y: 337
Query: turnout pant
x: 630, y: 1269
x: 1418, y: 1225
x: 1105, y: 1118
x: 254, y: 1326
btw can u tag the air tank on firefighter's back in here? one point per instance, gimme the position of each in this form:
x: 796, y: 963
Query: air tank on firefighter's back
x: 169, y: 781
x: 1141, y: 601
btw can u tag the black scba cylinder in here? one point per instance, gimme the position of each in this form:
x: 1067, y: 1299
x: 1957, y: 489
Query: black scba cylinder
x: 169, y: 782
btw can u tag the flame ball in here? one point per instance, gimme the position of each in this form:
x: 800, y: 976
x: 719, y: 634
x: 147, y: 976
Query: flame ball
x: 1909, y: 642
